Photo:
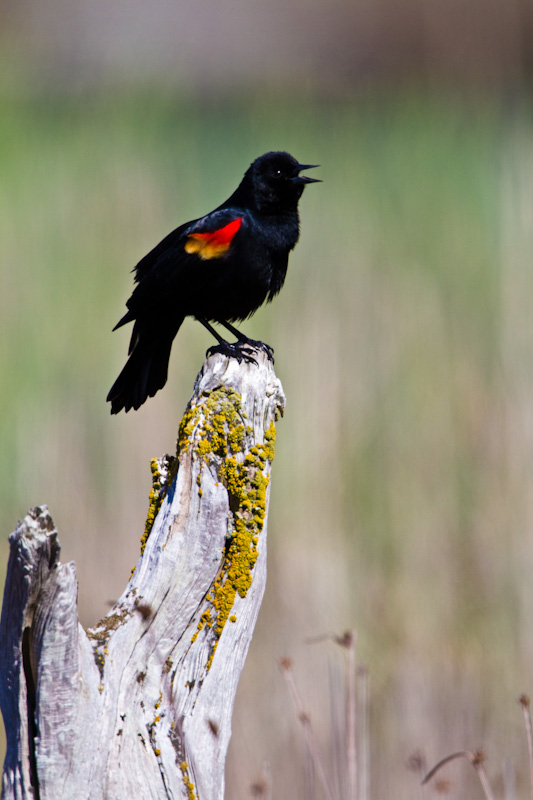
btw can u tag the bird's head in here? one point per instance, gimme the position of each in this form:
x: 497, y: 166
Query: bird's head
x: 277, y: 183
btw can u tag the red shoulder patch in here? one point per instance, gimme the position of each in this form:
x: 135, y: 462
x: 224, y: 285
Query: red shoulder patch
x: 213, y: 243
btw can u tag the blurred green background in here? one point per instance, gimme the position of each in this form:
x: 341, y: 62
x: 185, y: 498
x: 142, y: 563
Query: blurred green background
x: 401, y: 499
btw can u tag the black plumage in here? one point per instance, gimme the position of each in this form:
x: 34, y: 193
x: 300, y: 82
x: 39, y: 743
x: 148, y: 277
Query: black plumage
x: 219, y: 268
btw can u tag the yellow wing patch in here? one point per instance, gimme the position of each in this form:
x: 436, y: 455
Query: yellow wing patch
x: 213, y: 244
x: 205, y: 250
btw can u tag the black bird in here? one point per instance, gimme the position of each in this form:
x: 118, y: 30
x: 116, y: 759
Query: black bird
x: 219, y: 268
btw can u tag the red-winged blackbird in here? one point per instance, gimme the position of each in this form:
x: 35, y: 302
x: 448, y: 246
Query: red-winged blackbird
x: 219, y: 268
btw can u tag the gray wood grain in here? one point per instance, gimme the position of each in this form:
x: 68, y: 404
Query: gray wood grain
x: 140, y: 705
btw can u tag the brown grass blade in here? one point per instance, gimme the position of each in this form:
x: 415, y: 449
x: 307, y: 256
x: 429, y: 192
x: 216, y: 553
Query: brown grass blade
x: 525, y: 703
x: 303, y: 717
x: 476, y: 759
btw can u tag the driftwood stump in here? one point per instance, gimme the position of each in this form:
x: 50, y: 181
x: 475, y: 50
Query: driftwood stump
x: 140, y: 705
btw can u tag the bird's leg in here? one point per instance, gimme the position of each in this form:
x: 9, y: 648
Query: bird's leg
x: 244, y: 340
x: 237, y: 350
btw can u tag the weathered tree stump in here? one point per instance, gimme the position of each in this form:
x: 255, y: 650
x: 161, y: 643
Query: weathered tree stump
x: 140, y: 705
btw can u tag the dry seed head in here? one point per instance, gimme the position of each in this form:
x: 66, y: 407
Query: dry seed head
x: 259, y: 788
x: 416, y: 762
x: 347, y: 638
x: 443, y: 786
x: 144, y: 610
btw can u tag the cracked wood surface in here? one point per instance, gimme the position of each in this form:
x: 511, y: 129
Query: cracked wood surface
x: 140, y: 705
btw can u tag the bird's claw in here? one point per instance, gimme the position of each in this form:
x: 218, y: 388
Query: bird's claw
x: 257, y: 345
x: 239, y: 350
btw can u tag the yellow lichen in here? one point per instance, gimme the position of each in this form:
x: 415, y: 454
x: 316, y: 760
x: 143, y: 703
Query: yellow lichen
x: 214, y: 426
x: 205, y: 619
x: 247, y: 486
x: 163, y: 473
x: 189, y: 785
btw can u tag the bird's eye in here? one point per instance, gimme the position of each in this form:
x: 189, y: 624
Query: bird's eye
x: 278, y: 172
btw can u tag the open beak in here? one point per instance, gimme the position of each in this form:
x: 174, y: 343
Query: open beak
x: 304, y: 178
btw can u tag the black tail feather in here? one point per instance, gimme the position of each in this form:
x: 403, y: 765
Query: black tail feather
x: 144, y: 373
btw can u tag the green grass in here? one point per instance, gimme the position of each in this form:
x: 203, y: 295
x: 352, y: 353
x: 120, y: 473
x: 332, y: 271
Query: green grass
x: 403, y: 340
